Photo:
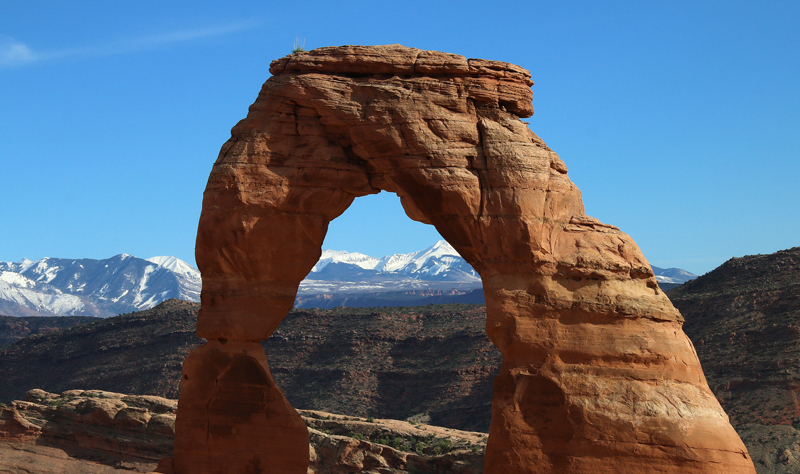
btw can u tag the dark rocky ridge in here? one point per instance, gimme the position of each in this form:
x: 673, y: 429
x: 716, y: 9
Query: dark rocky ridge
x: 433, y: 361
x: 139, y: 353
x: 13, y: 328
x: 744, y: 319
x: 391, y: 298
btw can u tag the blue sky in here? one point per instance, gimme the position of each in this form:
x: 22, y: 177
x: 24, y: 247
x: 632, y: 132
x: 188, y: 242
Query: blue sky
x: 679, y: 121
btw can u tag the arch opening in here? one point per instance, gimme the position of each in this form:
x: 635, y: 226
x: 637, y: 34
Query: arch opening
x: 406, y: 263
x: 432, y: 364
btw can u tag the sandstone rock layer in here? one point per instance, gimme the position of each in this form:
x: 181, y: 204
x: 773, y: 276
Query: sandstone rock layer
x: 85, y: 431
x: 597, y: 374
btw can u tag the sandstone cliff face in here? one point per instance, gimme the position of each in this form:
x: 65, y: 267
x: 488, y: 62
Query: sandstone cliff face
x: 597, y: 375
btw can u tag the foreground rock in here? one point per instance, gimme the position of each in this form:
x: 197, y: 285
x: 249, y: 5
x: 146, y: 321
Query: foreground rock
x: 103, y: 432
x: 85, y: 431
x: 597, y: 374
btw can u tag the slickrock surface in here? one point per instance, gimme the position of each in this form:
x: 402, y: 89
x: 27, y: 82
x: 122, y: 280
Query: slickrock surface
x: 97, y: 432
x: 597, y: 374
x: 341, y: 444
x: 88, y: 431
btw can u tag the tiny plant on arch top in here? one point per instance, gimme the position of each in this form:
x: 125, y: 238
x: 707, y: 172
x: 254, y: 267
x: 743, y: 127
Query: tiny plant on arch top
x: 298, y: 46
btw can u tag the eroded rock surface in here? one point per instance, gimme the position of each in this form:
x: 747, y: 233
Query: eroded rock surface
x: 85, y: 431
x: 597, y: 374
x: 97, y: 432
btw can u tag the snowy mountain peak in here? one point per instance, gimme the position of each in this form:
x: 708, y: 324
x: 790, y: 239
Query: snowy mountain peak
x: 444, y: 245
x: 176, y: 265
x: 440, y: 249
x: 672, y: 275
x: 122, y: 283
x: 411, y: 262
x: 22, y: 265
x: 439, y: 262
x: 340, y: 256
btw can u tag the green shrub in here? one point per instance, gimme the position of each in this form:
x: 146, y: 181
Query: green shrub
x: 298, y: 47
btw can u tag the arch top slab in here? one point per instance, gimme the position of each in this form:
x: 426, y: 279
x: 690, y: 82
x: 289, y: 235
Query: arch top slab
x: 597, y: 374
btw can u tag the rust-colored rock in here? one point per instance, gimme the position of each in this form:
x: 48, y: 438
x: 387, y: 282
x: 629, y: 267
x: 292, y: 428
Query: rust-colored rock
x: 85, y: 431
x: 97, y: 432
x: 597, y: 375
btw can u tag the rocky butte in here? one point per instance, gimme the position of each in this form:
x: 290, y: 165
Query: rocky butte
x: 597, y: 374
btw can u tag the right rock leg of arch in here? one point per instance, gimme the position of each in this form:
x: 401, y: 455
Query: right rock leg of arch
x: 591, y: 393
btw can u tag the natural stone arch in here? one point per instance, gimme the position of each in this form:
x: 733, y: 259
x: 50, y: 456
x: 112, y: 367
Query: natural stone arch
x: 597, y: 375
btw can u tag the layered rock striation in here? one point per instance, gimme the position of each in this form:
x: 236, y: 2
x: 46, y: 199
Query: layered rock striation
x: 99, y: 432
x: 85, y: 431
x: 597, y: 374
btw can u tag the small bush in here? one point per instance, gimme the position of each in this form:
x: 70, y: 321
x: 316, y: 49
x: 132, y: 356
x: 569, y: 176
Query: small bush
x: 357, y: 436
x: 298, y: 47
x: 370, y: 419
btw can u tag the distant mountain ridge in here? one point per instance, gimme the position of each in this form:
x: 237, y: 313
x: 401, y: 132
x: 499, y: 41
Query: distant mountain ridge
x: 435, y: 275
x: 439, y: 262
x: 675, y: 276
x: 124, y: 283
x: 89, y: 287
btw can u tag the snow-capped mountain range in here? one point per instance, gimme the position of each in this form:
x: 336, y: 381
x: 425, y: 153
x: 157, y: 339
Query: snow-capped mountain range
x: 120, y: 284
x: 439, y: 267
x: 124, y: 283
x: 674, y: 276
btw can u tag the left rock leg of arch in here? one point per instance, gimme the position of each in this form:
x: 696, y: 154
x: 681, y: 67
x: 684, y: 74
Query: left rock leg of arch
x: 260, y: 233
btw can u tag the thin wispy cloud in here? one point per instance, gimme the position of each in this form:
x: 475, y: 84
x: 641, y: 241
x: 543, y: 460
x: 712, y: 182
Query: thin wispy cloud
x: 14, y: 53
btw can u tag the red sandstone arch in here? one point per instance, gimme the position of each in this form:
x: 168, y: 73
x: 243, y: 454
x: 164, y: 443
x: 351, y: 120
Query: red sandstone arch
x: 597, y: 375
